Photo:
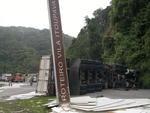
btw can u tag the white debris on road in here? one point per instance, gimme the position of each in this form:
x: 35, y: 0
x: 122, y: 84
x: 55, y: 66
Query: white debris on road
x: 102, y: 104
x: 24, y: 96
x: 135, y: 110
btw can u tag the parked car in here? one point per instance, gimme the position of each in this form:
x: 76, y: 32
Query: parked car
x: 33, y: 76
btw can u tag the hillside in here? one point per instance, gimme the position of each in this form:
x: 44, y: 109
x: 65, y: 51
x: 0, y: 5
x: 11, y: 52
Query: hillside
x: 118, y: 34
x: 21, y: 48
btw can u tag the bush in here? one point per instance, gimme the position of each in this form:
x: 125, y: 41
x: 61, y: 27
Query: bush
x: 146, y: 80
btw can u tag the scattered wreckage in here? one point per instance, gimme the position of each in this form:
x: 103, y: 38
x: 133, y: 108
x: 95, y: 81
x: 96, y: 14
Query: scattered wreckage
x: 87, y: 104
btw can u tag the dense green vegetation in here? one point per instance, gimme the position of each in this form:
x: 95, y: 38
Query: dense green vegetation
x: 89, y: 41
x: 118, y: 34
x: 21, y: 48
x: 34, y: 105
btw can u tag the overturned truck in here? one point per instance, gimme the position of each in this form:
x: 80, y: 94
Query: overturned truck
x: 87, y: 76
x: 119, y: 76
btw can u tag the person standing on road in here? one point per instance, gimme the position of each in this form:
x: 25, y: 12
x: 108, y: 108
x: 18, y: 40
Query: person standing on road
x: 31, y: 81
x: 10, y: 80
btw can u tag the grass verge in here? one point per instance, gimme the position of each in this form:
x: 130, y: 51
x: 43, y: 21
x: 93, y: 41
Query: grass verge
x: 34, y: 105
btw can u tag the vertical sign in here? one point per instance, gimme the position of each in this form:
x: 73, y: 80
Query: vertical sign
x: 59, y: 61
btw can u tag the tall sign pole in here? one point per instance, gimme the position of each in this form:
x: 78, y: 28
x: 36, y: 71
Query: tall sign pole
x: 59, y: 61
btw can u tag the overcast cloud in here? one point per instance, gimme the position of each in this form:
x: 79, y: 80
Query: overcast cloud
x: 33, y: 13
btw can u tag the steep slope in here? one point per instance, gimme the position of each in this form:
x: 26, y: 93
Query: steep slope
x: 118, y: 34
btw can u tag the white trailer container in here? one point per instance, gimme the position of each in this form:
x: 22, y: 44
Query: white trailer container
x: 6, y: 76
x: 44, y: 73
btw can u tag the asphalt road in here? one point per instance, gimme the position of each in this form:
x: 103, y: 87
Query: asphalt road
x: 111, y: 93
x: 15, y: 91
x: 116, y: 93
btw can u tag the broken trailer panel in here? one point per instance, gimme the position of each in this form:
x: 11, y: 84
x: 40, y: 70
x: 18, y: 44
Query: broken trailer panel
x: 44, y: 73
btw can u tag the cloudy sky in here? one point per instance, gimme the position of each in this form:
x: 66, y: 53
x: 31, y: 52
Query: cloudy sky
x: 33, y: 13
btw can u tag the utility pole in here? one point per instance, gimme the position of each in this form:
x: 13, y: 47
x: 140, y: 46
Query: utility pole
x: 59, y: 61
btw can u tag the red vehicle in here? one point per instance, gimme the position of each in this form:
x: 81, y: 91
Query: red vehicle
x: 18, y: 77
